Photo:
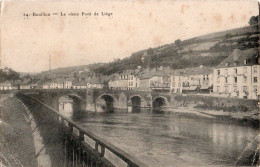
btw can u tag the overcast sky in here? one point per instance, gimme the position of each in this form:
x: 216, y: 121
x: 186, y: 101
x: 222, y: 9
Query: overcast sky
x: 135, y: 25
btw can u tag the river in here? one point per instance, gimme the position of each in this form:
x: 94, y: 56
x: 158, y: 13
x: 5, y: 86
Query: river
x: 170, y: 138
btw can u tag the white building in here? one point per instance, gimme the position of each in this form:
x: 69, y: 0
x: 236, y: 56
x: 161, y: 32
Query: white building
x: 238, y: 75
x: 95, y: 83
x: 176, y: 82
x: 79, y: 85
x: 7, y: 85
x: 119, y: 81
x: 46, y: 85
x: 57, y: 84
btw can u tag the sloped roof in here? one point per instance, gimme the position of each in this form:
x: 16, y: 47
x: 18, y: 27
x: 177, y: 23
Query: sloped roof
x: 82, y: 83
x: 150, y: 74
x: 179, y: 72
x: 238, y: 56
x: 95, y: 80
x: 46, y: 83
x: 6, y: 83
x: 198, y: 70
x: 59, y: 80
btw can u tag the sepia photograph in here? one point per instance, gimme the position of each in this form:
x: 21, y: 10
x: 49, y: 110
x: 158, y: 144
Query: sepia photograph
x: 132, y: 83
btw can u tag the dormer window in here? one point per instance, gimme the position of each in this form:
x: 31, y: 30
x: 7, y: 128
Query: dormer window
x: 246, y: 61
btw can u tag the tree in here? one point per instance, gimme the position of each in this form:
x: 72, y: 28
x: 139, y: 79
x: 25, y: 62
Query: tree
x: 253, y: 20
x: 228, y: 35
x: 150, y: 51
x: 177, y: 42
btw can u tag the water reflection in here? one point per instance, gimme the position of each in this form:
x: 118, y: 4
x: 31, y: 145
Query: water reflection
x: 66, y: 108
x: 161, y: 138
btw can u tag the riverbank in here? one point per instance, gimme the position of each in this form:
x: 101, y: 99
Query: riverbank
x: 249, y: 118
x: 17, y: 146
x: 245, y: 111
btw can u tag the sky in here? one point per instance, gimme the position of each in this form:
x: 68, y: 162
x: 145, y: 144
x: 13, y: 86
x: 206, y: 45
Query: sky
x: 27, y: 43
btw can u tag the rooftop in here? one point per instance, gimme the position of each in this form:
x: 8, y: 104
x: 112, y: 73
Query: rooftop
x: 240, y: 58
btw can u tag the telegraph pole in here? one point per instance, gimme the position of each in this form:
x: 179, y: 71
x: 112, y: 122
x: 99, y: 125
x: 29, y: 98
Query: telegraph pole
x: 50, y: 64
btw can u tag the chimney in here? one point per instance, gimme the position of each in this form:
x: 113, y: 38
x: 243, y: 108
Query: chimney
x: 226, y: 64
x: 201, y: 66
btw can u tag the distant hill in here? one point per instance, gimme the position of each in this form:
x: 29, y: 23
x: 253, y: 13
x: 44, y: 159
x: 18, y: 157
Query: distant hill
x: 207, y: 50
x: 68, y: 70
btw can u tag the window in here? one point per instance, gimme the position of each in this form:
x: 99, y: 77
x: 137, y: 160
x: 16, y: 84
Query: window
x: 244, y: 88
x: 255, y: 79
x: 218, y: 72
x: 218, y: 89
x: 226, y: 89
x: 235, y: 89
x: 245, y: 70
x: 245, y: 79
x: 255, y: 88
x: 235, y: 79
x: 226, y: 71
x: 235, y: 70
x: 255, y: 70
x: 226, y: 80
x: 246, y: 61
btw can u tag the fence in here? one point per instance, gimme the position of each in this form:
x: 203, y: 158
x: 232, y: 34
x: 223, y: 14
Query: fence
x: 78, y: 142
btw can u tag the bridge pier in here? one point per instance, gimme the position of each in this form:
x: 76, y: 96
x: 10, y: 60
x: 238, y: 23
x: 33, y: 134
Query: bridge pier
x: 121, y: 102
x: 91, y: 104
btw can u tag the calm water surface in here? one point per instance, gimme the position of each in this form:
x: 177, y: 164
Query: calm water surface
x: 171, y: 139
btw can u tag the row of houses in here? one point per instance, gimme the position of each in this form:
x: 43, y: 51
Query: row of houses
x: 236, y: 76
x: 73, y: 83
x: 18, y: 84
x: 164, y: 79
x: 58, y: 83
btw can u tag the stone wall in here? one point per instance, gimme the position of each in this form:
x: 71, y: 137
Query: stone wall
x: 216, y: 103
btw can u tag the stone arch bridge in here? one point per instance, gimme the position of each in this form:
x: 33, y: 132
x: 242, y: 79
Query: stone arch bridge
x: 88, y: 99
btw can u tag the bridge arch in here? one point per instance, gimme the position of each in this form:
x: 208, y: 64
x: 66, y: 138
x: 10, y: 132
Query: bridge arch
x: 136, y: 101
x: 77, y: 102
x: 160, y: 101
x: 109, y: 101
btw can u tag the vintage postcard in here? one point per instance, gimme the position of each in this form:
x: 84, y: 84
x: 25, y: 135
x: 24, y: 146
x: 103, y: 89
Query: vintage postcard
x: 138, y: 83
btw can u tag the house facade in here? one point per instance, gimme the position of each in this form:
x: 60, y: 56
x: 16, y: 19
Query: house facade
x: 176, y: 83
x: 119, y: 82
x: 79, y: 85
x: 238, y: 76
x: 8, y: 85
x: 154, y: 80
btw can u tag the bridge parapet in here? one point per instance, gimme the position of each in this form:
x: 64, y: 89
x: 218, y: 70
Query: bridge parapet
x: 88, y: 99
x: 81, y: 152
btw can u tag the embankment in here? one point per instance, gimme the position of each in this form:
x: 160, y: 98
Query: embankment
x: 245, y: 111
x: 17, y: 144
x: 215, y: 103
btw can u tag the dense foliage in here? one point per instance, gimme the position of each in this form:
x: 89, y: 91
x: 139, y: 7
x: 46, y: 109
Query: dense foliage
x: 11, y: 75
x: 187, y: 53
